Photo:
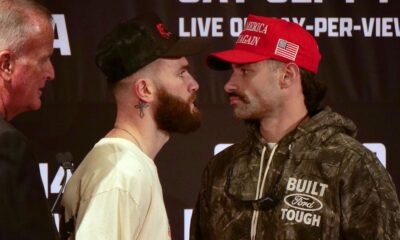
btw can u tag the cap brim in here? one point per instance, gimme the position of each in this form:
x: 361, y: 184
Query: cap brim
x: 223, y: 60
x: 187, y: 47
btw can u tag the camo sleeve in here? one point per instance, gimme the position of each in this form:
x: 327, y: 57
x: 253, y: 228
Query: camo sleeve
x: 369, y: 203
x: 200, y: 212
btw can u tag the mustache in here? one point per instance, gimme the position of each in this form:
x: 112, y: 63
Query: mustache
x: 241, y: 96
x: 192, y: 98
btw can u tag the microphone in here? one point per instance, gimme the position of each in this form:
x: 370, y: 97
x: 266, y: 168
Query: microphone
x: 65, y: 160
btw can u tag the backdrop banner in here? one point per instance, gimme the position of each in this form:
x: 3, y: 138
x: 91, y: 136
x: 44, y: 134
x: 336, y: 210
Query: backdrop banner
x: 360, y: 45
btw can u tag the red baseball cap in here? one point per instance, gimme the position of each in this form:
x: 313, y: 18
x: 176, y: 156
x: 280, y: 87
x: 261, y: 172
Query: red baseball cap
x: 270, y: 38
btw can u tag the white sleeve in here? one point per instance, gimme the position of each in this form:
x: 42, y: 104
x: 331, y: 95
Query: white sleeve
x: 110, y: 215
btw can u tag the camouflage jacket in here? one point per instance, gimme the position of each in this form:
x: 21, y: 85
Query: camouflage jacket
x: 321, y: 184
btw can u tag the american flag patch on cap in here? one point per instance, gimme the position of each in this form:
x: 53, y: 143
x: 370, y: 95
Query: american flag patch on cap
x: 286, y: 49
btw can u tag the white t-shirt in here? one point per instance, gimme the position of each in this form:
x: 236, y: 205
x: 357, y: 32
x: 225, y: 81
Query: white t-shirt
x: 271, y: 145
x: 116, y: 194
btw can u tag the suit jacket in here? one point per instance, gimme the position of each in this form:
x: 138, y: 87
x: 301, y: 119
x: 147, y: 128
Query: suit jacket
x: 24, y: 210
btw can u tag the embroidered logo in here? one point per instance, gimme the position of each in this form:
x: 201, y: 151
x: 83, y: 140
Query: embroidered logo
x: 162, y: 31
x: 286, y: 49
x: 251, y: 32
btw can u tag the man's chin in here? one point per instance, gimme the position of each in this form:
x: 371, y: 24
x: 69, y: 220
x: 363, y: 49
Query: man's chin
x: 36, y: 106
x: 240, y: 114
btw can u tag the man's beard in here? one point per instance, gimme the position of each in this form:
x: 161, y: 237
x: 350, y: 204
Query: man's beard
x: 175, y: 115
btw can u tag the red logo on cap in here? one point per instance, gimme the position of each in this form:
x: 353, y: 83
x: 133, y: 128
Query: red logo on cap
x: 163, y: 33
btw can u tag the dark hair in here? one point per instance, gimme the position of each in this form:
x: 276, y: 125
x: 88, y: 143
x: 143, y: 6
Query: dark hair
x: 314, y: 91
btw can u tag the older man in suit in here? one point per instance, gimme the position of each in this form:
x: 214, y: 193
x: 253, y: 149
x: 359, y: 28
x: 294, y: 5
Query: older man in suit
x: 26, y: 44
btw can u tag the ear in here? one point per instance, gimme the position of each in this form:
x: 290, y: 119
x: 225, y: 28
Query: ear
x: 291, y: 75
x: 6, y: 65
x: 145, y: 90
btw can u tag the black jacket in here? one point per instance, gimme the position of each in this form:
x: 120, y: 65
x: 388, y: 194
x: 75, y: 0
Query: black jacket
x: 24, y: 210
x: 321, y: 184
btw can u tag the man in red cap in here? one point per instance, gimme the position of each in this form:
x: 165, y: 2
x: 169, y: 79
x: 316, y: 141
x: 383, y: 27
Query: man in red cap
x: 299, y: 174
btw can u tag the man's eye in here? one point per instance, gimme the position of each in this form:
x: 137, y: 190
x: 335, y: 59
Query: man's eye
x: 245, y: 71
x: 181, y: 73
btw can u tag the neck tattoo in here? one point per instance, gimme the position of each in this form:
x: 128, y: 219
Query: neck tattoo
x: 132, y: 136
x: 141, y: 106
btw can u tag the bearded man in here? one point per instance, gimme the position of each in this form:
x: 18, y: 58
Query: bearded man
x: 115, y: 193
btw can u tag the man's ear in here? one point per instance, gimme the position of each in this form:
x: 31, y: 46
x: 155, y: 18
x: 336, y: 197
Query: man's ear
x: 291, y: 75
x: 6, y: 65
x: 145, y: 90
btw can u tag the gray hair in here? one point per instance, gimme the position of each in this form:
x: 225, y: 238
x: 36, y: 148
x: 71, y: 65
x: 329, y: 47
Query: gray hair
x: 15, y: 22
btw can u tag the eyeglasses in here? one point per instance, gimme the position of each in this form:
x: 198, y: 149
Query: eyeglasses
x: 266, y: 203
